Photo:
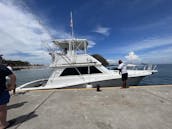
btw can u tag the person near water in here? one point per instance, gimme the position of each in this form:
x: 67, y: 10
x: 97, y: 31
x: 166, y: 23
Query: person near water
x: 123, y: 70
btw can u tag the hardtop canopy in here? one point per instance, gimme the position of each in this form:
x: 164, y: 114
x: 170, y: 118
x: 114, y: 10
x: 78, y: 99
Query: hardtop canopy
x: 73, y: 43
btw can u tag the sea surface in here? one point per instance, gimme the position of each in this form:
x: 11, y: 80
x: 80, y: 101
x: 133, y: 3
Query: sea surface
x: 164, y: 75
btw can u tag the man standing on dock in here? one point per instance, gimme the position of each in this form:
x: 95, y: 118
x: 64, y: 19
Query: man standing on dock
x: 4, y: 93
x: 123, y: 70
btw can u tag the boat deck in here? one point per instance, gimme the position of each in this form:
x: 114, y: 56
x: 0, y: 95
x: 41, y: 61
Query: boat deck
x: 141, y: 107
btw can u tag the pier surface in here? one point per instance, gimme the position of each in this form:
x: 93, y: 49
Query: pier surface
x: 148, y: 107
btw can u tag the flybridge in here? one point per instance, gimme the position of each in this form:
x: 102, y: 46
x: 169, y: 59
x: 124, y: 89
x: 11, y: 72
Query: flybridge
x: 71, y: 45
x: 65, y: 43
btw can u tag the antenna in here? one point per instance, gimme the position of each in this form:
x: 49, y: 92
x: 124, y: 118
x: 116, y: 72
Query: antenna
x: 71, y: 24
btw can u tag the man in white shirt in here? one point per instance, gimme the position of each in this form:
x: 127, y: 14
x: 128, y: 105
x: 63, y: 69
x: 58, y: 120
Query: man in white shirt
x: 123, y: 70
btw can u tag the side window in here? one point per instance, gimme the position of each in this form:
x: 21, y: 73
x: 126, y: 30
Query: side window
x: 69, y: 71
x: 82, y: 70
x: 94, y: 70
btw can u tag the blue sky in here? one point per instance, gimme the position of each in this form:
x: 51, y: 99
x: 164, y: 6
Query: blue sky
x: 136, y: 30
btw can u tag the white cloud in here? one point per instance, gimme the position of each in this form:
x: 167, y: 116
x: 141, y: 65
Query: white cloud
x: 158, y: 56
x: 155, y: 50
x: 158, y: 50
x: 91, y: 44
x: 132, y: 57
x: 150, y: 43
x: 21, y: 32
x: 102, y: 30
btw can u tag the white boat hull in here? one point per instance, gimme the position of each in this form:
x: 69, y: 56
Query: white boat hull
x: 41, y: 84
x: 132, y: 81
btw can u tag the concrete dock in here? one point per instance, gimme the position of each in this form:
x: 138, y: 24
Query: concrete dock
x: 148, y: 107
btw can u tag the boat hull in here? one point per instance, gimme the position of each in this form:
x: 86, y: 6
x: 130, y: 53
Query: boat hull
x: 132, y: 81
x: 36, y: 85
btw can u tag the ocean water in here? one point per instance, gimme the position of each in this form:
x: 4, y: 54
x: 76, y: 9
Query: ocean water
x: 164, y: 75
x: 26, y: 75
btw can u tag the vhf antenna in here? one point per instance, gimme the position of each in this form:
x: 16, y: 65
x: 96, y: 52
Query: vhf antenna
x: 71, y: 25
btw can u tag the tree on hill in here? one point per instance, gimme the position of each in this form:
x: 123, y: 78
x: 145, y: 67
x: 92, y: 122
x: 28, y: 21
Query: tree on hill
x: 101, y: 59
x: 17, y: 63
x: 14, y: 62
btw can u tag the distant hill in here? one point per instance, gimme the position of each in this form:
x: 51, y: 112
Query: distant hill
x: 16, y: 62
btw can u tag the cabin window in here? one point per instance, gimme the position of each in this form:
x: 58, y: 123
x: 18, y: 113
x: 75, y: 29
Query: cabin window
x: 80, y: 70
x: 69, y: 71
x: 94, y: 70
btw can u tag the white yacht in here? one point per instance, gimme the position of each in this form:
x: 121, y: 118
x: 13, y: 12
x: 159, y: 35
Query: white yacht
x: 74, y: 67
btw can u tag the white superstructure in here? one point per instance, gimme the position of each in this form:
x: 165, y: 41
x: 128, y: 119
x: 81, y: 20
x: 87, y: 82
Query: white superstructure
x: 73, y: 67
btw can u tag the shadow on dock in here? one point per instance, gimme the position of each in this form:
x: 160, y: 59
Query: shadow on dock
x: 17, y: 105
x: 19, y: 120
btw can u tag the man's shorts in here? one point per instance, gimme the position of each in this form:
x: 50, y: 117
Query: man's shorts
x: 4, y: 97
x: 124, y: 76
